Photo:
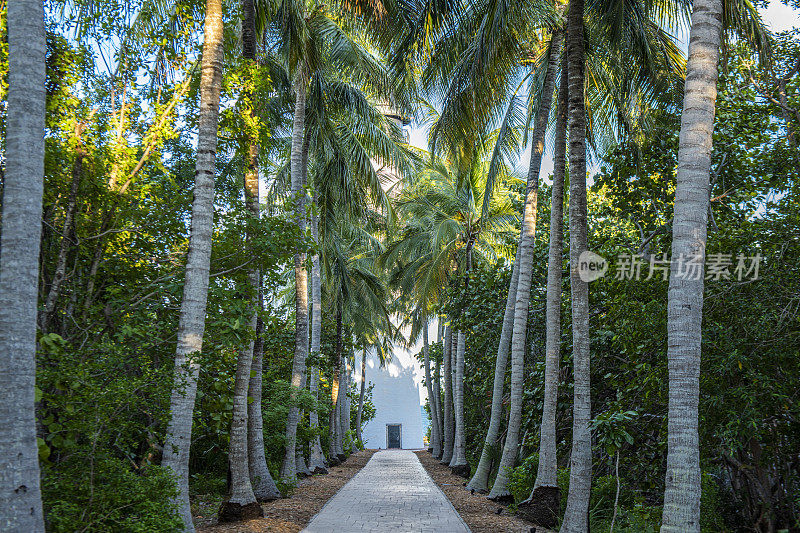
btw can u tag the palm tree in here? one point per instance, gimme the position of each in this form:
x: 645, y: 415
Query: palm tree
x: 449, y: 421
x: 628, y: 90
x: 436, y: 438
x: 316, y: 460
x: 480, y: 480
x: 442, y: 222
x: 314, y: 41
x: 20, y: 494
x: 243, y: 503
x: 263, y: 486
x: 300, y: 273
x: 195, y: 291
x: 576, y: 516
x: 523, y: 290
x: 543, y: 505
x: 685, y: 298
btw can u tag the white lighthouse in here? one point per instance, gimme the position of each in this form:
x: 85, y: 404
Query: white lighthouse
x: 396, y: 396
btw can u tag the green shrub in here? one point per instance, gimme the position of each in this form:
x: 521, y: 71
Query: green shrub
x: 207, y: 483
x: 640, y: 518
x: 711, y: 507
x: 522, y: 478
x: 107, y: 496
x: 601, y: 502
x: 285, y: 486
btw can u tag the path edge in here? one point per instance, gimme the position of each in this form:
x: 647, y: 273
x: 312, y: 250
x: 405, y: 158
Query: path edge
x: 436, y: 485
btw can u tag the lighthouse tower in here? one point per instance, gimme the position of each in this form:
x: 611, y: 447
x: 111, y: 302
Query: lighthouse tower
x: 398, y: 415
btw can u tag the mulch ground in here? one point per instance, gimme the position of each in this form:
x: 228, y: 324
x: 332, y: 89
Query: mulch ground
x: 290, y: 515
x: 479, y: 513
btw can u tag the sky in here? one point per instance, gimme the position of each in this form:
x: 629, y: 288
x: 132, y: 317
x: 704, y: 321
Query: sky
x: 777, y: 16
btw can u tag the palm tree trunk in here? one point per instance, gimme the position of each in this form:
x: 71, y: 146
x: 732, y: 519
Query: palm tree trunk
x: 480, y: 481
x: 435, y: 438
x: 685, y: 301
x: 195, y: 290
x: 301, y: 465
x: 437, y: 397
x: 242, y: 502
x: 344, y: 408
x: 576, y: 516
x: 458, y: 463
x: 361, y: 394
x: 543, y: 504
x: 523, y: 293
x: 300, y: 276
x: 333, y: 422
x: 316, y: 460
x: 20, y: 493
x: 340, y: 427
x: 453, y: 385
x: 449, y: 422
x: 264, y: 486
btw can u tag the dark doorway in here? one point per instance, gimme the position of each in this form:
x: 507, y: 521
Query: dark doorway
x: 393, y: 436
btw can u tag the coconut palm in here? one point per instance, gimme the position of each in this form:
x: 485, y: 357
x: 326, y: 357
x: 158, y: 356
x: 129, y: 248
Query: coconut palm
x: 312, y: 40
x: 689, y: 229
x: 543, y: 505
x: 473, y: 74
x: 300, y: 273
x: 247, y: 385
x: 195, y: 291
x: 20, y: 494
x: 576, y: 515
x: 443, y: 224
x: 525, y: 270
x: 359, y: 297
x: 316, y: 459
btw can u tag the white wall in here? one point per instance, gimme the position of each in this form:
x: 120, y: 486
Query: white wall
x: 396, y: 396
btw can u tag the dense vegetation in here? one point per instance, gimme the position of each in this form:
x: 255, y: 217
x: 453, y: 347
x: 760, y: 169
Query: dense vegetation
x: 232, y: 215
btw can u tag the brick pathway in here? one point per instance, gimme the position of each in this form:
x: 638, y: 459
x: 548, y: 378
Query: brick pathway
x: 393, y: 493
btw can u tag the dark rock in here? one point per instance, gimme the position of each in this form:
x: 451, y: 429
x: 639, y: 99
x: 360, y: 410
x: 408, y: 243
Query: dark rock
x: 542, y: 508
x: 236, y: 512
x: 319, y: 470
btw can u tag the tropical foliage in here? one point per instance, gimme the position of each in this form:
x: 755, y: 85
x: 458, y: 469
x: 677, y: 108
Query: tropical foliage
x: 232, y: 210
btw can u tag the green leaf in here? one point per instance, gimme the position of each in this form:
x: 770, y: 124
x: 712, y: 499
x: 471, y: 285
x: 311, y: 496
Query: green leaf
x: 44, y: 449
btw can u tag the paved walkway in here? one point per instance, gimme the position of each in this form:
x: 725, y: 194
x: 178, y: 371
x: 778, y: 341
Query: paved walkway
x: 393, y: 493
